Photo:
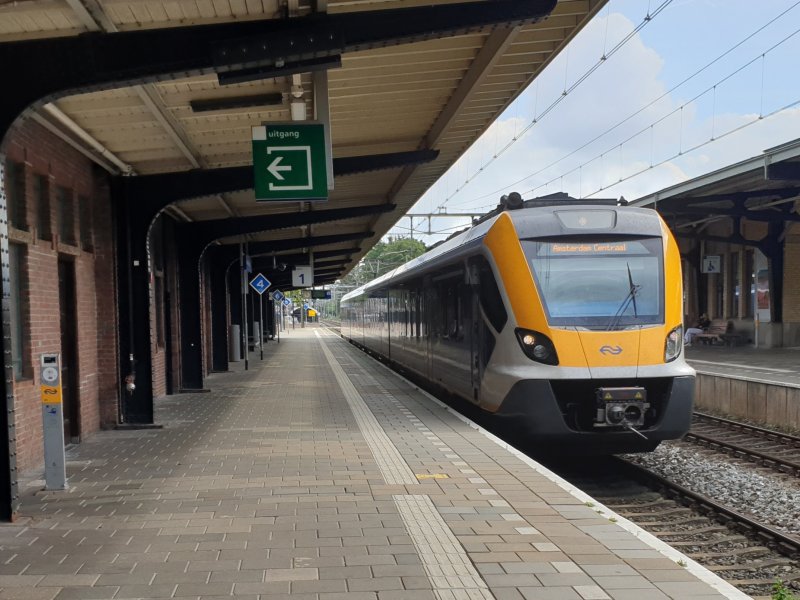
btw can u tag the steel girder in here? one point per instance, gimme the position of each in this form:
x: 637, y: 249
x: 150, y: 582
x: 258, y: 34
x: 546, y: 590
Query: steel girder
x: 786, y: 171
x: 202, y: 233
x: 228, y: 253
x: 163, y: 189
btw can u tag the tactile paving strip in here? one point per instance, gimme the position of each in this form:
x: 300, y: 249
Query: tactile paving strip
x: 448, y: 567
x: 393, y: 467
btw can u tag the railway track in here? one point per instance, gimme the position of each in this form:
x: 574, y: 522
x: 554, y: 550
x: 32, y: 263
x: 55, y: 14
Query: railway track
x: 769, y: 448
x: 748, y: 554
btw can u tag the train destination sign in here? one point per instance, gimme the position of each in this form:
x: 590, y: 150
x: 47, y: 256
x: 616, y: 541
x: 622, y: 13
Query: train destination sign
x: 607, y: 247
x: 290, y: 163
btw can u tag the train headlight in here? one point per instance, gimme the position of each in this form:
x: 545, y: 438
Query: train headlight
x: 673, y: 344
x: 537, y: 346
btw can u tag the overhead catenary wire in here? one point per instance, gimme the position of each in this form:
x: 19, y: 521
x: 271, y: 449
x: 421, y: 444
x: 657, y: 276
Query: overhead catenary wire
x: 783, y: 108
x: 714, y: 136
x: 640, y: 110
x: 567, y: 90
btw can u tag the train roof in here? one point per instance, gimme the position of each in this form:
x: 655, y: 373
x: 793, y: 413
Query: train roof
x: 530, y: 221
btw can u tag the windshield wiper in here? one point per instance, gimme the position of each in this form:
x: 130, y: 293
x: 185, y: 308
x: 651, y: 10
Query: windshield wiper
x: 631, y: 297
x: 634, y: 289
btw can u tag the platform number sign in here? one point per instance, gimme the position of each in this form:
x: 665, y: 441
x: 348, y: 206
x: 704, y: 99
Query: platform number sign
x: 277, y: 295
x: 260, y: 283
x: 287, y: 302
x: 302, y: 276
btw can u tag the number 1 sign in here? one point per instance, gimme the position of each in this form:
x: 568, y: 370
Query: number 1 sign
x: 302, y: 276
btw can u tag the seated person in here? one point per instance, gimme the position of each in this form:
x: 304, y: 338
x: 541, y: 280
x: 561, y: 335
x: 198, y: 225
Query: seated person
x: 702, y: 324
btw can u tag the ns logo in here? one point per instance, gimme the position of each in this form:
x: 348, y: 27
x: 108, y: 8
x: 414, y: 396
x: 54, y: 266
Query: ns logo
x: 614, y: 350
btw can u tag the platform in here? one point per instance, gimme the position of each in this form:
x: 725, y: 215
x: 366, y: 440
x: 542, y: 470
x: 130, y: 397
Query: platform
x: 779, y: 366
x: 320, y: 475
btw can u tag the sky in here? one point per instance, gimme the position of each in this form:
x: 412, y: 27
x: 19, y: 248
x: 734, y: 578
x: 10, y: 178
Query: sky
x: 701, y: 85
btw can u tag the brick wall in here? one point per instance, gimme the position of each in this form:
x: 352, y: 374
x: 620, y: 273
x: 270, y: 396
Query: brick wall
x: 42, y: 154
x: 157, y: 339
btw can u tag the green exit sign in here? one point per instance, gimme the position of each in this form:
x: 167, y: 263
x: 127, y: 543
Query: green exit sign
x: 290, y: 162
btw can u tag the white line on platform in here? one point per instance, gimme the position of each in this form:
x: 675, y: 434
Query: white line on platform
x: 391, y: 463
x: 776, y: 382
x: 739, y: 366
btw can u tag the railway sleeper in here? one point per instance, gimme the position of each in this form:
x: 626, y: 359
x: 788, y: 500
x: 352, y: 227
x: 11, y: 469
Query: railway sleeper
x: 732, y: 552
x: 658, y: 502
x: 743, y: 582
x: 668, y: 507
x: 709, y: 529
x: 753, y: 565
x: 674, y: 522
x: 710, y: 542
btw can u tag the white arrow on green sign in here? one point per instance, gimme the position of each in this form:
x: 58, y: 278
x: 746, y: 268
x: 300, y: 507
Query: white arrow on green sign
x: 290, y: 163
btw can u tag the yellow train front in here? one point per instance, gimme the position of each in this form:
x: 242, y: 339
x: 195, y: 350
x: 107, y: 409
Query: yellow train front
x: 564, y: 322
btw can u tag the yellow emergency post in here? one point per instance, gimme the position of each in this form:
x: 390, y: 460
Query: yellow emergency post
x: 311, y: 313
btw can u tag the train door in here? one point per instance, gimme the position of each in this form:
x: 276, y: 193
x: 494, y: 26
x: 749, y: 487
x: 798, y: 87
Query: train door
x: 477, y: 331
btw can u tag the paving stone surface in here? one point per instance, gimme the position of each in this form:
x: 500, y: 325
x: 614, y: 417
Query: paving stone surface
x: 316, y: 475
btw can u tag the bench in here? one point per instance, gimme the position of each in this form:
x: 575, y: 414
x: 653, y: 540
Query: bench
x: 719, y: 331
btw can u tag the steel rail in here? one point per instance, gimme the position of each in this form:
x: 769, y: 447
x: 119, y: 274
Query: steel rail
x: 767, y: 433
x: 785, y: 544
x: 763, y: 458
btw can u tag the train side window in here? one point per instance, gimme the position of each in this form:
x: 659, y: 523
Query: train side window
x: 489, y: 293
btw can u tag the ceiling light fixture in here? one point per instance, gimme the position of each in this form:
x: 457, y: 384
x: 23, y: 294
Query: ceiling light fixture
x: 300, y: 66
x: 254, y: 101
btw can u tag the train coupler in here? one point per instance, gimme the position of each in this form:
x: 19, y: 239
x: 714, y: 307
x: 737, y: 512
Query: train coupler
x: 621, y: 407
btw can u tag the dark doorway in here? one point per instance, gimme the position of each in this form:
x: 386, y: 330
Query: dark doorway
x: 69, y: 350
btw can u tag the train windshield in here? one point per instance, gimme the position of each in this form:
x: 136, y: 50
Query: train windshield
x: 599, y: 283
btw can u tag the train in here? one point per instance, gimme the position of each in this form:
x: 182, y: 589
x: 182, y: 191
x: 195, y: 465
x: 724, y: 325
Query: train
x: 559, y: 320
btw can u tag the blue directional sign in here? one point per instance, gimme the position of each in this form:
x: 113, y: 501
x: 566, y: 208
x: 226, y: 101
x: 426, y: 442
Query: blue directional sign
x: 277, y: 295
x: 260, y: 284
x: 286, y: 302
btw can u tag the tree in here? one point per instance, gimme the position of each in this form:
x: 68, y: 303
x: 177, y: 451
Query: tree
x: 382, y: 258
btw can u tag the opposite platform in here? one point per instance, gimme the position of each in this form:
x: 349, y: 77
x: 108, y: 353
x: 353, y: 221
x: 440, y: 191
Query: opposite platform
x: 321, y: 475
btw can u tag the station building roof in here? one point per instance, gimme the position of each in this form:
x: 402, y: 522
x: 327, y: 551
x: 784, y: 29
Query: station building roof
x: 402, y: 95
x: 764, y: 188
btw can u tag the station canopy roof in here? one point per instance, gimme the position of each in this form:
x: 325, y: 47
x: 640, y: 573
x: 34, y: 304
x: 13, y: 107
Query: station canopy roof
x: 396, y: 93
x: 763, y: 189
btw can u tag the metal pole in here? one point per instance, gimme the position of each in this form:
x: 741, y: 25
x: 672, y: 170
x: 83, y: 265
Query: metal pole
x: 244, y: 306
x: 261, y: 318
